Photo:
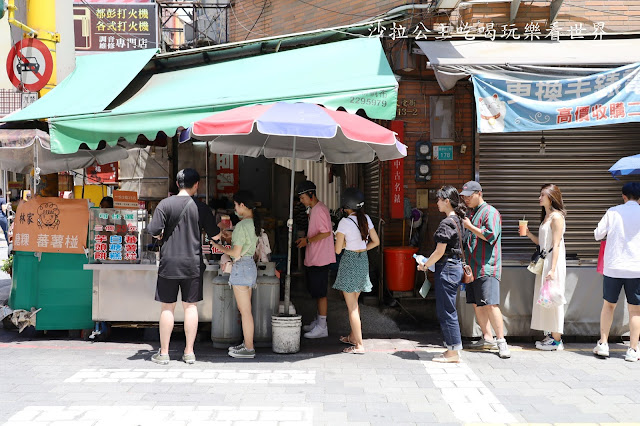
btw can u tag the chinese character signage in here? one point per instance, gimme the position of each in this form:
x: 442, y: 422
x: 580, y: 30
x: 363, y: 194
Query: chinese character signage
x: 487, y: 31
x: 226, y: 174
x: 608, y: 97
x: 125, y: 199
x: 105, y: 173
x: 51, y: 225
x: 396, y: 177
x: 114, y: 235
x: 115, y: 26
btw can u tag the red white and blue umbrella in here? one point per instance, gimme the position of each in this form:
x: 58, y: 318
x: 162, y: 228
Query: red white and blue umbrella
x: 268, y: 130
x: 297, y: 131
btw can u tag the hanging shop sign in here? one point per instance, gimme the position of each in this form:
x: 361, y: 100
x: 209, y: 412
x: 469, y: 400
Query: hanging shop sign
x: 29, y: 65
x: 125, y: 199
x: 115, y: 26
x: 226, y: 175
x: 100, y: 174
x: 51, y: 225
x: 396, y: 177
x: 609, y: 97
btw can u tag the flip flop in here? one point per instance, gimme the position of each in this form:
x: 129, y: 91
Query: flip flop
x: 353, y: 350
x: 345, y: 340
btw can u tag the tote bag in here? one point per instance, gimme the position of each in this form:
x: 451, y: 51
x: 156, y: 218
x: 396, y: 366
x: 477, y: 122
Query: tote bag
x: 600, y: 266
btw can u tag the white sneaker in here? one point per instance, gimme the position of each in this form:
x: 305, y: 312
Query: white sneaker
x: 318, y: 332
x: 311, y: 326
x: 601, y: 349
x: 632, y: 355
x: 544, y: 341
x: 551, y: 345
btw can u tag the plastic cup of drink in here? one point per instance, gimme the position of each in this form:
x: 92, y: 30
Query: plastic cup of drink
x: 522, y: 227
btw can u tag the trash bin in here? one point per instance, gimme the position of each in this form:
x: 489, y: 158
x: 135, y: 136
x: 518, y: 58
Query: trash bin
x: 226, y: 328
x: 264, y: 303
x: 400, y: 268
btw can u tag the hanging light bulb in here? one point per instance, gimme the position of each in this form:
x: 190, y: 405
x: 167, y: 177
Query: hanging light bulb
x: 543, y: 144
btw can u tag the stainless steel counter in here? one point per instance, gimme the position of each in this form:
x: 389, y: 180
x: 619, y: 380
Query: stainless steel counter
x: 125, y: 293
x: 582, y: 311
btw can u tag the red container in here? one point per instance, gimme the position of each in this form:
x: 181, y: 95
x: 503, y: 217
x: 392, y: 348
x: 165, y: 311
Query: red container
x: 400, y: 268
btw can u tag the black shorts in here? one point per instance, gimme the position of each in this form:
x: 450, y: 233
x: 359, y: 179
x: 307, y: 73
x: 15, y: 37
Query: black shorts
x: 611, y: 288
x: 190, y: 288
x: 484, y: 291
x: 318, y: 281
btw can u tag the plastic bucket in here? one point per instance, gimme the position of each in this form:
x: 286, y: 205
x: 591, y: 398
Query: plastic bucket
x: 286, y: 334
x: 400, y: 268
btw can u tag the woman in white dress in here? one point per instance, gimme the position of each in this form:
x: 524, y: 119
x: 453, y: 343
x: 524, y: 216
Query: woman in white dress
x: 550, y: 239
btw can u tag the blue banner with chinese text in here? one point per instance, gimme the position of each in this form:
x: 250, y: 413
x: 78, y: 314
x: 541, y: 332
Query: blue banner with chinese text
x: 528, y: 105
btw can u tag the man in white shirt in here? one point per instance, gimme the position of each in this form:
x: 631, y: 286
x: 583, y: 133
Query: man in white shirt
x: 621, y: 227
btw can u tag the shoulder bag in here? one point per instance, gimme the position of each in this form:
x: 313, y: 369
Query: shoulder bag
x: 537, y: 260
x: 467, y: 273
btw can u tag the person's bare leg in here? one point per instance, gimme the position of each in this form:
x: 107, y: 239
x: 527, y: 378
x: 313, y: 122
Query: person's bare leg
x: 190, y: 326
x: 166, y: 326
x: 354, y: 319
x: 606, y: 319
x: 496, y: 320
x: 322, y: 306
x: 634, y: 325
x: 482, y: 317
x: 243, y: 300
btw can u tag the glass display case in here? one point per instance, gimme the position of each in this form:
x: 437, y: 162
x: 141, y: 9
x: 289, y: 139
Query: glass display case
x: 119, y: 236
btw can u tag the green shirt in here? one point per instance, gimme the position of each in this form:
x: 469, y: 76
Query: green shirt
x: 244, y: 234
x: 485, y: 257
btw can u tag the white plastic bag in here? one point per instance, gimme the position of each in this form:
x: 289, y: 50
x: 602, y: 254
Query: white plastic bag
x: 551, y: 295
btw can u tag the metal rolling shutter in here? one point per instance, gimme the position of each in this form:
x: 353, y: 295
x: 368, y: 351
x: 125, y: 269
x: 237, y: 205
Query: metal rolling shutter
x: 512, y: 170
x: 372, y: 190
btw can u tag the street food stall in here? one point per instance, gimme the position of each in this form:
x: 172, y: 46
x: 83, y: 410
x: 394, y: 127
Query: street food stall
x: 124, y: 260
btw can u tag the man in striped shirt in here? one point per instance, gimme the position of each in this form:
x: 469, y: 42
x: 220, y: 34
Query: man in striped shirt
x: 483, y: 250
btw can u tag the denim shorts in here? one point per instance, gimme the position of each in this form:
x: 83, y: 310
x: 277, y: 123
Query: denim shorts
x: 244, y: 272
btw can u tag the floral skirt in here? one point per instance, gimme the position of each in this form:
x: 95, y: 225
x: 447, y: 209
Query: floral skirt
x: 353, y: 273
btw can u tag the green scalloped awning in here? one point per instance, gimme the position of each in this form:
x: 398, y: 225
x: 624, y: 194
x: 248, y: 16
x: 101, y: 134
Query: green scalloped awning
x: 95, y: 82
x: 352, y: 74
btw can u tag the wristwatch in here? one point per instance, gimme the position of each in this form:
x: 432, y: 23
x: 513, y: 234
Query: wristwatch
x: 307, y: 240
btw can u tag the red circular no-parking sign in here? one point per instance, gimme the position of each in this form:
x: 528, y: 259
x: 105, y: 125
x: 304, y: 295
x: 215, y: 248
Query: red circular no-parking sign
x: 29, y: 65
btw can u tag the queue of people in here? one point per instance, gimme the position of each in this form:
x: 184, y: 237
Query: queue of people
x: 469, y: 234
x: 481, y: 248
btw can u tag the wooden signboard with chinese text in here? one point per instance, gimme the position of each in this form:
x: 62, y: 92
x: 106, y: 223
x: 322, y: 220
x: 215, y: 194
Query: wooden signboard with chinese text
x: 51, y: 225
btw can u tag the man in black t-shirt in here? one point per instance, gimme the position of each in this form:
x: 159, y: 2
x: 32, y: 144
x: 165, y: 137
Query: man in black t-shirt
x: 178, y: 221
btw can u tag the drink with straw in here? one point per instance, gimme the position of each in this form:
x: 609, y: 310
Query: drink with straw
x: 522, y: 227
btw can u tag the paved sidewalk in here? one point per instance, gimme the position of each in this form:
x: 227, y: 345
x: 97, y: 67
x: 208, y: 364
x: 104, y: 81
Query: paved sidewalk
x: 54, y: 380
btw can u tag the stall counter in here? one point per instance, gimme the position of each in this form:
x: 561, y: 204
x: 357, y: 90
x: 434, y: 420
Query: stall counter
x: 125, y: 293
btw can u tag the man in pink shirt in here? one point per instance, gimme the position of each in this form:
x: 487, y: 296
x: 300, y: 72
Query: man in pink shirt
x: 320, y: 253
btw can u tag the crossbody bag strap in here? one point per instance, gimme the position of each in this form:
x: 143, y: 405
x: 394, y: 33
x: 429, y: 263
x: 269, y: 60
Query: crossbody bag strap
x: 358, y: 226
x: 464, y: 260
x: 173, y: 227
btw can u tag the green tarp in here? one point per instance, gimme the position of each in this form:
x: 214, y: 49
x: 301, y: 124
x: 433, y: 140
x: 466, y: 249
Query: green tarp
x: 352, y: 74
x: 95, y: 82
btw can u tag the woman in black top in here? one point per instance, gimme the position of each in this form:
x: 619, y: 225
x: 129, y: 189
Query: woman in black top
x: 448, y: 273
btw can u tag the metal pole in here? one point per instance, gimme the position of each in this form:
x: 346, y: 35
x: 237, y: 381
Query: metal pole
x: 206, y: 172
x: 287, y: 280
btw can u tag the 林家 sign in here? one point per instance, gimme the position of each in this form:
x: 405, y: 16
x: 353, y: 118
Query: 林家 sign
x: 115, y: 26
x: 608, y: 97
x: 51, y: 225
